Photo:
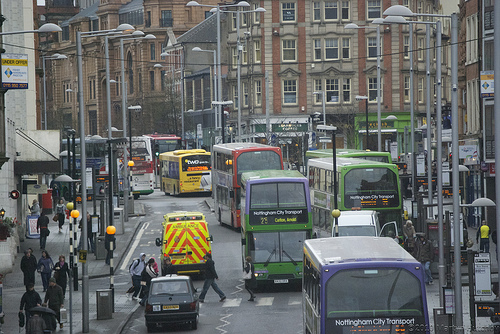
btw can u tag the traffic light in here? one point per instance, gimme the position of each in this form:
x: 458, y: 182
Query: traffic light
x: 14, y: 194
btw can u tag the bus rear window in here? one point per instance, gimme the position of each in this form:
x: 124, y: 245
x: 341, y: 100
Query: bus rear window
x: 257, y: 160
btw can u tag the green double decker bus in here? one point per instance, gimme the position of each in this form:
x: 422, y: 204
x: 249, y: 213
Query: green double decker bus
x: 277, y: 221
x: 351, y: 153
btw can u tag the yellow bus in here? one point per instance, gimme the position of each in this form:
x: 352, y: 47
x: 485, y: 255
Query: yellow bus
x: 185, y: 171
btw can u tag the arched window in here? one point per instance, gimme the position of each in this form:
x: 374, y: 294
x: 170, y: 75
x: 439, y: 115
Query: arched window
x: 130, y: 73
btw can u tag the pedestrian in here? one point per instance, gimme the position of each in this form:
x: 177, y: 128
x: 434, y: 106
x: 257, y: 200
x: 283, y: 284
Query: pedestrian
x: 45, y: 267
x: 167, y: 267
x: 55, y: 298
x: 36, y: 324
x: 61, y: 273
x: 425, y: 255
x: 251, y: 283
x: 55, y: 195
x: 34, y: 208
x: 494, y: 317
x: 60, y: 210
x: 90, y: 235
x: 410, y: 235
x: 483, y: 234
x: 149, y: 272
x: 210, y: 277
x: 28, y: 267
x: 135, y: 271
x: 30, y: 299
x: 42, y: 227
x: 108, y: 238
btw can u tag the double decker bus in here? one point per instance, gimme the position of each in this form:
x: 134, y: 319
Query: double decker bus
x: 185, y: 171
x: 277, y: 221
x: 143, y: 169
x: 161, y: 143
x: 351, y: 153
x: 362, y: 285
x: 362, y: 184
x: 229, y: 161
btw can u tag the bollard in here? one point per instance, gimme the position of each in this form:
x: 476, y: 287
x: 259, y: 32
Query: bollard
x: 111, y: 230
x: 74, y: 215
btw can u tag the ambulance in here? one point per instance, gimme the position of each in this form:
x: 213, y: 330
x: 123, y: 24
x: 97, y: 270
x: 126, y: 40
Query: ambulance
x: 185, y: 241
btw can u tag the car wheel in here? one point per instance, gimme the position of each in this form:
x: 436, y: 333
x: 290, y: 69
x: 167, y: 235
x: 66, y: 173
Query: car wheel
x: 150, y: 328
x: 136, y: 196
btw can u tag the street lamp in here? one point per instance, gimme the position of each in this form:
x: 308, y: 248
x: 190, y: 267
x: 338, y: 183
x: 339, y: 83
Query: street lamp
x: 197, y: 49
x: 359, y: 98
x: 83, y: 156
x: 322, y: 93
x: 44, y: 58
x: 47, y: 27
x: 398, y: 10
x: 379, y: 113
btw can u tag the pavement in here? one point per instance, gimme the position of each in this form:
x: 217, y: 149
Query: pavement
x: 58, y: 243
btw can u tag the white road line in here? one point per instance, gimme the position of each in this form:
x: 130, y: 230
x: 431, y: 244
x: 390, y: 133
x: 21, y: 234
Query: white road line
x: 234, y: 302
x: 125, y: 263
x: 264, y: 301
x: 295, y: 301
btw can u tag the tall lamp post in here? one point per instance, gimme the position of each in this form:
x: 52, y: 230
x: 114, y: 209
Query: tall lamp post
x: 55, y: 56
x: 360, y: 98
x: 398, y: 10
x: 323, y: 106
x: 379, y: 98
x: 83, y: 156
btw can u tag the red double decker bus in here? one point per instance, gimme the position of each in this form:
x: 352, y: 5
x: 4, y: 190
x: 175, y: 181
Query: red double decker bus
x: 228, y: 162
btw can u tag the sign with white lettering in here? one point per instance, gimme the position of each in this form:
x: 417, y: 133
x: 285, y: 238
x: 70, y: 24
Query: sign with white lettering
x: 482, y: 270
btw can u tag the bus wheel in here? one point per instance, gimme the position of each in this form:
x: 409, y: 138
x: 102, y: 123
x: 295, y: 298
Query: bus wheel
x: 220, y: 217
x: 136, y: 196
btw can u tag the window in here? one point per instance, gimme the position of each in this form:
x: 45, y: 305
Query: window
x: 372, y: 47
x: 345, y: 10
x: 258, y: 93
x: 234, y: 19
x: 289, y: 50
x: 256, y: 18
x: 67, y: 94
x: 316, y: 11
x: 331, y: 48
x: 317, y: 49
x: 257, y: 51
x: 421, y: 48
x: 374, y: 9
x: 243, y: 20
x: 407, y: 89
x: 406, y: 3
x: 244, y: 54
x: 406, y: 46
x: 288, y: 12
x: 346, y: 53
x: 166, y: 18
x: 152, y: 80
x: 318, y: 88
x: 331, y: 10
x: 163, y: 73
x: 346, y: 90
x: 152, y: 51
x: 244, y: 89
x: 118, y: 85
x: 289, y: 91
x: 372, y: 89
x: 235, y: 96
x: 421, y: 90
x: 234, y: 53
x: 332, y: 90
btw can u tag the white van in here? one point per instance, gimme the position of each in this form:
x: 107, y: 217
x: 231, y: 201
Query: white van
x: 363, y: 223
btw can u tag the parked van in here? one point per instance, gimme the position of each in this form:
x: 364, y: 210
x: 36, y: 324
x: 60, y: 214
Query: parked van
x: 363, y: 223
x: 185, y: 241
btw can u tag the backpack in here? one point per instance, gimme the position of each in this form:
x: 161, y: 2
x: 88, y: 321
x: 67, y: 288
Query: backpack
x: 132, y: 266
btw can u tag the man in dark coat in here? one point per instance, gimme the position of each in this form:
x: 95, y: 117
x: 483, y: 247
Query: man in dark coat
x: 210, y: 277
x: 425, y: 255
x: 42, y: 226
x: 30, y: 299
x: 55, y: 298
x: 28, y: 267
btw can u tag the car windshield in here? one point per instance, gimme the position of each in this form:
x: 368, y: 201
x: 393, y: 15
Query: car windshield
x: 170, y: 287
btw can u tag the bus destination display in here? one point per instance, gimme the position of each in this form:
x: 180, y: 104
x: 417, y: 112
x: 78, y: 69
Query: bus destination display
x: 276, y: 217
x: 371, y: 201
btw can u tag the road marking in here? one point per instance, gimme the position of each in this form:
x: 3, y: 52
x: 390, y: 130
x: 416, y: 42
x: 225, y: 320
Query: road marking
x: 125, y: 263
x: 264, y: 301
x: 234, y: 302
x: 295, y: 301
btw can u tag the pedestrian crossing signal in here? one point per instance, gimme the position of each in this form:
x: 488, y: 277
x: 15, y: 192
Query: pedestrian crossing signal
x: 14, y: 194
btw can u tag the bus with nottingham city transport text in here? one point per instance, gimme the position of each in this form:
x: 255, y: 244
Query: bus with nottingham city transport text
x: 350, y: 153
x: 277, y: 220
x: 362, y: 285
x: 185, y: 171
x: 229, y: 161
x: 361, y: 185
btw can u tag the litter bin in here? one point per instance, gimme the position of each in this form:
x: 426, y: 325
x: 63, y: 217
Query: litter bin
x: 104, y: 304
x: 118, y: 220
x: 100, y: 248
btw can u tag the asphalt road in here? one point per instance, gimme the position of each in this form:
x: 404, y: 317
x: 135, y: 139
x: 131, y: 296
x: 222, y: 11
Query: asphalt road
x: 274, y: 311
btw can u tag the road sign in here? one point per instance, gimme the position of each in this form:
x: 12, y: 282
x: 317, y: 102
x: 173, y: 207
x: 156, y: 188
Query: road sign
x: 218, y: 139
x: 325, y: 139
